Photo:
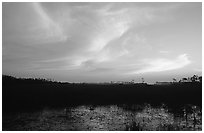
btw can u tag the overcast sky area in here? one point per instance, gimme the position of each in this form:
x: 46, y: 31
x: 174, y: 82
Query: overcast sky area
x: 98, y: 42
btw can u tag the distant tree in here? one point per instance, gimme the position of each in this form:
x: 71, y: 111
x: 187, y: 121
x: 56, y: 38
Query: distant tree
x: 194, y: 78
x: 174, y: 80
x: 184, y: 79
x: 132, y: 81
x: 200, y: 79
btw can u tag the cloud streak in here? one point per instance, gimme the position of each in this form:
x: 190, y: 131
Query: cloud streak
x: 51, y: 30
x: 159, y: 65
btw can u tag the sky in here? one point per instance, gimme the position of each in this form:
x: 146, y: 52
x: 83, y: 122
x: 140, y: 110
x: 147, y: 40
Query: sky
x: 102, y: 42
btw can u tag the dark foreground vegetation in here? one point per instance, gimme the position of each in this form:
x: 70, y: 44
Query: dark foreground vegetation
x: 37, y: 104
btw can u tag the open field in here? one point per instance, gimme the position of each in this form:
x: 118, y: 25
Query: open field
x: 39, y: 105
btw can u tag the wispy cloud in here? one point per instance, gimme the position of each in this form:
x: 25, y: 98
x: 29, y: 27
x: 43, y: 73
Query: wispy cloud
x: 48, y: 30
x: 159, y: 65
x: 107, y: 34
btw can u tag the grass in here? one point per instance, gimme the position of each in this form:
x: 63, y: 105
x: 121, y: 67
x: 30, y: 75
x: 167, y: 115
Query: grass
x: 102, y: 118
